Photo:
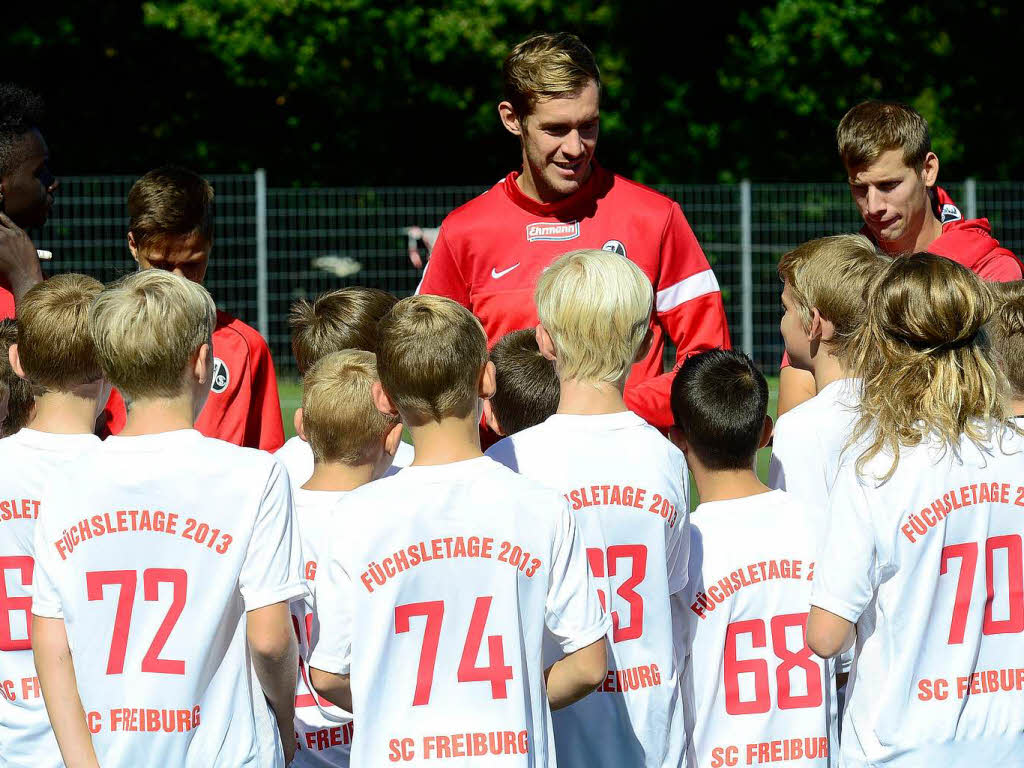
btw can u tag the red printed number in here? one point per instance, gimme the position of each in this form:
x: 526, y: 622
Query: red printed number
x: 22, y: 563
x: 790, y: 660
x: 968, y: 555
x: 496, y: 673
x: 126, y: 582
x: 637, y: 554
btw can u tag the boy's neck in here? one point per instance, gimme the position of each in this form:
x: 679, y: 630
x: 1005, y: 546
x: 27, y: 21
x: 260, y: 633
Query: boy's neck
x: 164, y: 414
x: 66, y: 413
x: 587, y: 398
x: 445, y: 442
x: 335, y: 476
x: 1017, y: 406
x: 726, y: 484
x: 826, y: 368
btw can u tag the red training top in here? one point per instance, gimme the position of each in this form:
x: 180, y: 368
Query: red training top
x: 6, y: 300
x: 490, y: 252
x: 243, y: 407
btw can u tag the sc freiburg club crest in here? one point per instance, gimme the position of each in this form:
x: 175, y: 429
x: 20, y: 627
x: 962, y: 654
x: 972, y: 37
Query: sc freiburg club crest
x: 221, y: 376
x: 615, y: 246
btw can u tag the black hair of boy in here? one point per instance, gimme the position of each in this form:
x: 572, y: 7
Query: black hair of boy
x: 719, y: 402
x: 527, y: 388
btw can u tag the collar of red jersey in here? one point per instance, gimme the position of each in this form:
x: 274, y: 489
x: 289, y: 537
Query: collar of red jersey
x: 527, y: 203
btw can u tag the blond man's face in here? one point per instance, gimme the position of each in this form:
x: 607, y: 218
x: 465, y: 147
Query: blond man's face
x: 186, y: 257
x: 893, y: 198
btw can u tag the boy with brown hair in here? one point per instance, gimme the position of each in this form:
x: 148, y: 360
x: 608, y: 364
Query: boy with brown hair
x: 825, y: 282
x: 345, y: 318
x: 526, y: 387
x: 1006, y: 329
x: 421, y: 566
x: 170, y: 227
x: 16, y: 399
x: 54, y: 352
x: 352, y: 444
x: 202, y: 528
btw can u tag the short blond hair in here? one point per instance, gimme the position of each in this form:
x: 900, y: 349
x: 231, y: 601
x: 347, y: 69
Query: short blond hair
x: 547, y: 66
x: 339, y: 418
x: 54, y: 344
x: 430, y: 356
x: 874, y: 127
x: 147, y: 327
x: 596, y: 306
x: 833, y: 275
x: 1006, y: 329
x: 342, y: 319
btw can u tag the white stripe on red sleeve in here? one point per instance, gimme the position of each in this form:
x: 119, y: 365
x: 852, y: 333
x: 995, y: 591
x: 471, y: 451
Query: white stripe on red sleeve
x: 692, y: 287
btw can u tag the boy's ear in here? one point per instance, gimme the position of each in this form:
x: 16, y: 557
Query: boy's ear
x: 382, y: 401
x: 645, y: 346
x: 766, y: 432
x: 814, y: 331
x: 132, y: 247
x: 675, y: 434
x: 544, y: 343
x: 12, y: 356
x: 491, y: 419
x: 299, y: 428
x: 202, y: 368
x: 488, y: 383
x: 393, y: 440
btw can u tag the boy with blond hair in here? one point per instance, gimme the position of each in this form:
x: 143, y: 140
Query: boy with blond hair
x: 526, y: 387
x: 54, y: 352
x: 166, y: 561
x: 626, y: 484
x: 759, y: 693
x: 823, y: 297
x: 1006, y: 328
x: 422, y: 566
x: 342, y: 319
x: 352, y: 443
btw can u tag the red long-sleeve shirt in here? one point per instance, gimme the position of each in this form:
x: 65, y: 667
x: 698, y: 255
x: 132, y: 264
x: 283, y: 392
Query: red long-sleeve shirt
x: 490, y: 252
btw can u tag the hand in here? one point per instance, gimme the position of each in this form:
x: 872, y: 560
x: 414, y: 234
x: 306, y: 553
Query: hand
x: 19, y: 262
x: 419, y: 236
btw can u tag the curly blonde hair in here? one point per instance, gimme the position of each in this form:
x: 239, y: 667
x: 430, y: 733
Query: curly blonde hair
x: 926, y: 361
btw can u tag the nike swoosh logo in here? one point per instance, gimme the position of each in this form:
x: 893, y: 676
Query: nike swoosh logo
x: 496, y: 274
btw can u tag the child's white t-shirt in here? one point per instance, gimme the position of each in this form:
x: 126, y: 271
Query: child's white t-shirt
x: 31, y: 462
x: 152, y: 551
x: 928, y: 565
x: 808, y: 441
x: 627, y: 487
x: 760, y: 694
x: 297, y: 457
x: 324, y: 740
x: 435, y: 592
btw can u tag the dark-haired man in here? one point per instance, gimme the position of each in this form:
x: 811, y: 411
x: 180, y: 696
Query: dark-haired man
x: 27, y: 188
x: 490, y: 251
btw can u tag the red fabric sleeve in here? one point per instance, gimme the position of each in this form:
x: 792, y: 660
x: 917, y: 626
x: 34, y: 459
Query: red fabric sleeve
x: 265, y: 429
x: 688, y: 306
x: 113, y: 417
x: 442, y: 276
x: 6, y: 301
x: 1000, y: 266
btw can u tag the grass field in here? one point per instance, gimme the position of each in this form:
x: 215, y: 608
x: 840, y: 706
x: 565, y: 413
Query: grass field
x: 290, y: 391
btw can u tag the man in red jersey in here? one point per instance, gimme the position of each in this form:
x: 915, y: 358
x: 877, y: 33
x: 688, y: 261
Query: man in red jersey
x: 490, y: 251
x: 26, y: 191
x: 886, y: 151
x: 171, y: 228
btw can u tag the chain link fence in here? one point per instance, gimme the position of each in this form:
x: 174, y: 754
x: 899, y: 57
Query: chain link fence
x: 273, y: 246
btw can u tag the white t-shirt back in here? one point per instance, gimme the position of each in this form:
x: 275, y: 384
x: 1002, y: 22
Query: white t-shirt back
x: 32, y: 461
x: 808, y: 442
x: 435, y: 593
x: 627, y: 487
x: 760, y: 694
x: 297, y: 457
x: 929, y: 567
x: 152, y: 551
x: 324, y: 740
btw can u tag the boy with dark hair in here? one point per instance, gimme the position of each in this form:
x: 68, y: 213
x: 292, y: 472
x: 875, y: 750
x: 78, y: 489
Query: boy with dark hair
x: 415, y: 575
x: 1007, y: 331
x: 754, y: 682
x: 26, y: 191
x: 54, y: 351
x: 526, y: 386
x: 342, y: 319
x: 171, y: 228
x: 166, y: 562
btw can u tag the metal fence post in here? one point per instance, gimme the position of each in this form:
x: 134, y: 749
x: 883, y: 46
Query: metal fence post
x: 262, y: 295
x: 746, y: 268
x: 971, y: 198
